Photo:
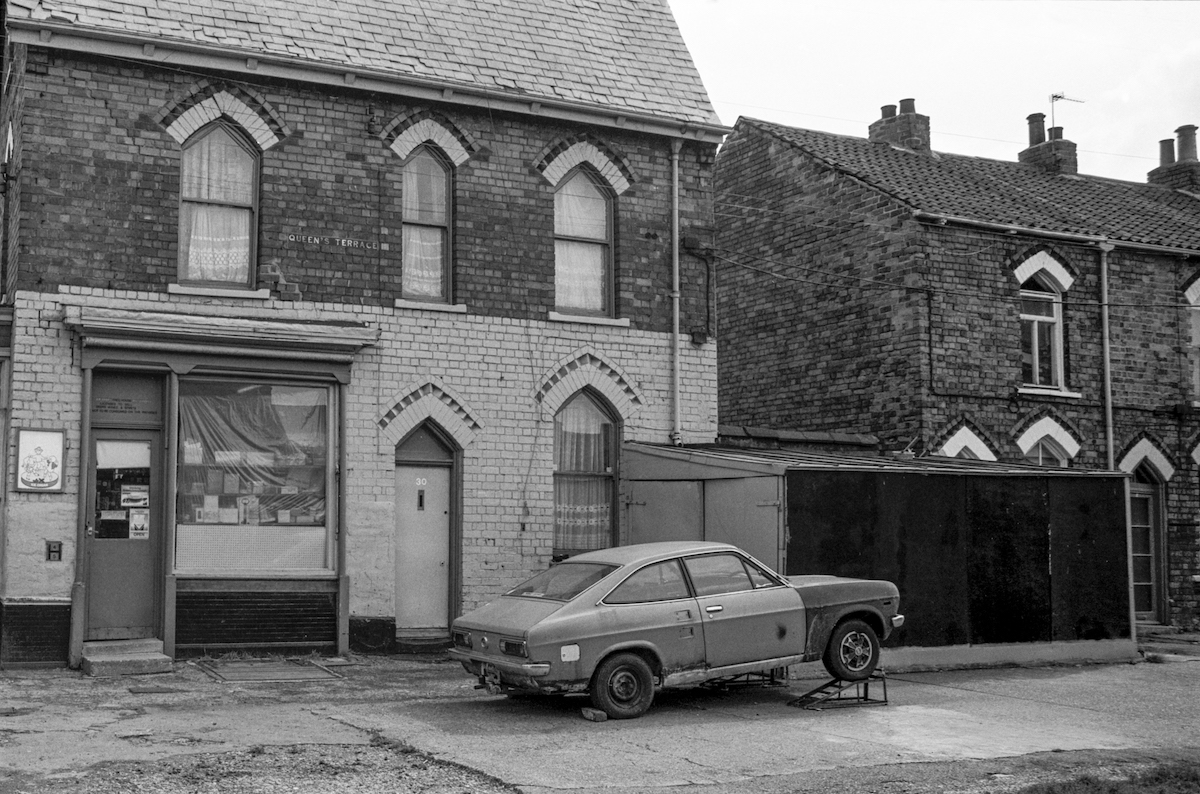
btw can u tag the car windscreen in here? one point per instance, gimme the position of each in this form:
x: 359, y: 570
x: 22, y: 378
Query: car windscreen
x: 563, y: 581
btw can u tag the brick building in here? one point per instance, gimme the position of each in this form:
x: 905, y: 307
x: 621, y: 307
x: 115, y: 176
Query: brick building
x: 320, y: 328
x: 952, y: 305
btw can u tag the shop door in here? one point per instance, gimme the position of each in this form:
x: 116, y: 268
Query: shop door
x: 124, y: 535
x: 422, y: 547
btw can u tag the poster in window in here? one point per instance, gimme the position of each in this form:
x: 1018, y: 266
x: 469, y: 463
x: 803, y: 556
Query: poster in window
x: 40, y: 460
x: 139, y: 524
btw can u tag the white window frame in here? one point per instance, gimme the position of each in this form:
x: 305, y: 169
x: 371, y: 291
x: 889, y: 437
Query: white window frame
x: 607, y: 246
x: 447, y: 229
x: 1051, y: 324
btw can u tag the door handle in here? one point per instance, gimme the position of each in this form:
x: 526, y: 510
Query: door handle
x: 714, y: 609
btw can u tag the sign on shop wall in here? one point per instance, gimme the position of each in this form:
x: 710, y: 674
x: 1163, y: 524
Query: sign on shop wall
x: 40, y: 460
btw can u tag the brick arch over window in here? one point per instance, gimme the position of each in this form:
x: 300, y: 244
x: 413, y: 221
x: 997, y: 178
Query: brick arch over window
x: 1191, y: 291
x: 205, y: 102
x: 583, y: 368
x: 434, y: 400
x: 1048, y: 266
x: 965, y: 437
x: 558, y: 159
x: 409, y: 130
x: 1049, y: 427
x: 1146, y: 451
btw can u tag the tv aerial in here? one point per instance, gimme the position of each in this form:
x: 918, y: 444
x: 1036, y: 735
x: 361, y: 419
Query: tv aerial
x: 1060, y: 97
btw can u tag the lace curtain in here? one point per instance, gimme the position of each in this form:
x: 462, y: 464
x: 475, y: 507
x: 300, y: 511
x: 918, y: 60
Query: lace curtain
x: 218, y: 200
x: 580, y: 266
x: 425, y: 211
x: 583, y: 482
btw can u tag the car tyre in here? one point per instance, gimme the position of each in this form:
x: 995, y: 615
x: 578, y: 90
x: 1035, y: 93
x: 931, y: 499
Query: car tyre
x: 853, y: 651
x: 623, y: 686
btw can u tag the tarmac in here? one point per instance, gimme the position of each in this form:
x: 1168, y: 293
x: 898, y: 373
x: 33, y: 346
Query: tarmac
x: 952, y: 730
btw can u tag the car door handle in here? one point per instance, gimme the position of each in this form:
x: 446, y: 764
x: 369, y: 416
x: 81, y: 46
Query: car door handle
x: 714, y: 609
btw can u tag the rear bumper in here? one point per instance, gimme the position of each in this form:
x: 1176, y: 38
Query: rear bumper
x: 475, y: 662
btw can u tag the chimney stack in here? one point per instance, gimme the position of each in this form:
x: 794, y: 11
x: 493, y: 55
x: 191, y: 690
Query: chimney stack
x: 1054, y: 156
x: 908, y: 129
x: 1182, y: 172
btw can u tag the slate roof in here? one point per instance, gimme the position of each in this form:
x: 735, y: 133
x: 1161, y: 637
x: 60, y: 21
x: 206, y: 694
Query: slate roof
x: 625, y: 54
x: 996, y: 191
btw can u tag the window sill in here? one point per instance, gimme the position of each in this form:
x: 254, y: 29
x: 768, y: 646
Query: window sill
x: 583, y: 319
x: 454, y: 308
x: 1037, y: 391
x: 219, y: 292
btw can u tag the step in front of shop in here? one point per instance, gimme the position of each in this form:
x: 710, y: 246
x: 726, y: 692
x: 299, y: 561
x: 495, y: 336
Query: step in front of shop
x: 124, y: 657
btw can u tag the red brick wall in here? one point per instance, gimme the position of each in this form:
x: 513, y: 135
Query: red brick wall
x: 102, y: 197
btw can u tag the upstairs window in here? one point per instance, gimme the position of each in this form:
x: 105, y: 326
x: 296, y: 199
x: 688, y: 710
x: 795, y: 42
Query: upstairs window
x: 425, y: 209
x: 583, y: 247
x: 1041, y: 335
x: 218, y: 207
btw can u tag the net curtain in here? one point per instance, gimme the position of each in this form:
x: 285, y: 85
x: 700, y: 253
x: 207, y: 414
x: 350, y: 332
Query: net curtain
x: 583, y: 481
x: 218, y: 200
x: 581, y: 264
x: 425, y: 210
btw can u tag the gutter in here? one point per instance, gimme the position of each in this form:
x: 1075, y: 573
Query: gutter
x: 177, y: 54
x: 1105, y: 249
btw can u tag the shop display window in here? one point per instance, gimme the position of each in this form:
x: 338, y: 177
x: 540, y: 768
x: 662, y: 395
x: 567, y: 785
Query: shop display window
x: 253, y: 476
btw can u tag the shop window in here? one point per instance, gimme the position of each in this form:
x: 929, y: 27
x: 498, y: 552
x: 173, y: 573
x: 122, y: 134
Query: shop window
x: 585, y: 443
x: 1041, y: 334
x: 218, y: 203
x: 253, y: 477
x: 425, y: 208
x: 583, y: 246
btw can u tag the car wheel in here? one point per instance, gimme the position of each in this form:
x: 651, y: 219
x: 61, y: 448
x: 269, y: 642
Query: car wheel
x: 623, y: 686
x: 853, y: 651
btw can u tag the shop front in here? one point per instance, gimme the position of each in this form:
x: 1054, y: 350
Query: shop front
x: 211, y: 518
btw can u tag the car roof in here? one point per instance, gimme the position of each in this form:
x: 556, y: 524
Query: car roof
x: 649, y: 552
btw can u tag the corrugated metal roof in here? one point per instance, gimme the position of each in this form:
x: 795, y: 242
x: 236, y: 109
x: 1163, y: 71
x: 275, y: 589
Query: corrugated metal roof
x: 1011, y: 193
x: 621, y: 54
x: 779, y: 461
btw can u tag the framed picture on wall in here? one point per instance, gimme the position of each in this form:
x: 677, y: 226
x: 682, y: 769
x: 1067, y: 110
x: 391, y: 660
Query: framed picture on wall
x: 40, y: 460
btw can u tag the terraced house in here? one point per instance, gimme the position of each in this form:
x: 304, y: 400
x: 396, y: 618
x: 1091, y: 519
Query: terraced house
x: 1013, y: 311
x: 323, y: 323
x: 970, y: 307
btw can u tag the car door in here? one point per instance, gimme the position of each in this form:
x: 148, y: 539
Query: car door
x: 748, y: 616
x: 654, y: 605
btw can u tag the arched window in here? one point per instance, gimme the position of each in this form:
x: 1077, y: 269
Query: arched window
x: 425, y: 209
x: 1047, y: 452
x: 1041, y: 334
x: 583, y: 246
x: 585, y: 448
x: 218, y: 206
x: 1147, y: 538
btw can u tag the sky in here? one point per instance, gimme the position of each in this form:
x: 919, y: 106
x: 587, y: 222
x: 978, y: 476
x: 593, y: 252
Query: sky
x: 1129, y: 70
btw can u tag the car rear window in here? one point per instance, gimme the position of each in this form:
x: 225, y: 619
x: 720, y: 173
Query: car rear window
x: 563, y: 581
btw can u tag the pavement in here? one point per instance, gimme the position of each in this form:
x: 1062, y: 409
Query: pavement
x: 957, y: 730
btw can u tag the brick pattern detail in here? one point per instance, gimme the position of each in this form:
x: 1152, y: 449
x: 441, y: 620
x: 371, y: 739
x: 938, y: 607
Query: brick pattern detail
x: 564, y: 155
x: 588, y: 369
x: 34, y: 634
x: 409, y: 130
x: 207, y: 102
x: 431, y: 400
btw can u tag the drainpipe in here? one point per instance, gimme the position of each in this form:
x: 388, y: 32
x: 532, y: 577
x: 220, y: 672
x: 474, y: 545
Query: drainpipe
x: 677, y: 419
x: 1105, y: 249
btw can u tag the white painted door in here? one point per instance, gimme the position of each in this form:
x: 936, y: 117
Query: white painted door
x: 422, y: 547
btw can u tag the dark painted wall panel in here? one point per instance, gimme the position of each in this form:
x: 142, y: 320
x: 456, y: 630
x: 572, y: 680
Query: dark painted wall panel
x: 34, y: 633
x: 255, y: 618
x: 1088, y: 560
x: 1008, y: 559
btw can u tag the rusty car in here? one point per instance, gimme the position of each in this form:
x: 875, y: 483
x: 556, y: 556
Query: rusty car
x: 621, y: 623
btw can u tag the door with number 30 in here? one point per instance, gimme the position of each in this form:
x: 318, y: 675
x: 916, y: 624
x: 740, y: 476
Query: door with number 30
x: 422, y: 548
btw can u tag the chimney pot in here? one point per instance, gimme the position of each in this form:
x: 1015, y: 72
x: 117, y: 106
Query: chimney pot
x: 1166, y: 151
x: 888, y: 111
x: 908, y: 106
x: 1056, y: 133
x: 1187, y: 142
x: 1037, y: 128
